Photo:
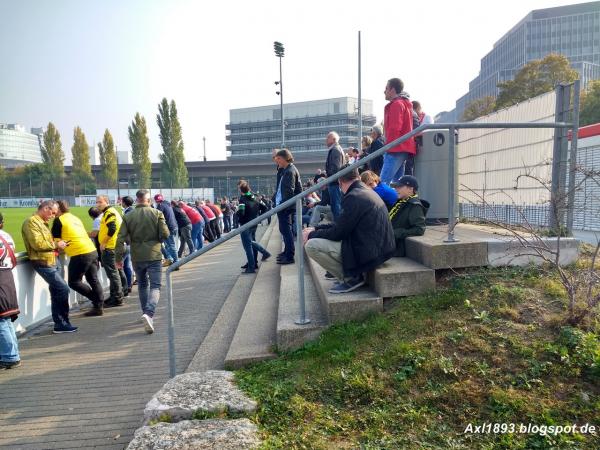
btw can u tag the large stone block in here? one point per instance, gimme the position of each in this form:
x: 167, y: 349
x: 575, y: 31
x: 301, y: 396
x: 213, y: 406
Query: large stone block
x: 197, y: 435
x: 509, y: 251
x: 209, y: 391
x: 400, y: 277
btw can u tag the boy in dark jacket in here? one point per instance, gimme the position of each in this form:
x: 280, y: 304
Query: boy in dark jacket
x: 249, y: 209
x: 408, y: 213
x: 359, y: 241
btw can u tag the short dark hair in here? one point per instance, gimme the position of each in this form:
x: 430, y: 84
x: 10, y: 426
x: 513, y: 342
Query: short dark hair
x: 94, y: 212
x: 127, y: 201
x: 141, y: 194
x: 416, y: 104
x: 350, y: 176
x: 244, y: 186
x: 285, y: 154
x: 397, y: 84
x: 63, y: 206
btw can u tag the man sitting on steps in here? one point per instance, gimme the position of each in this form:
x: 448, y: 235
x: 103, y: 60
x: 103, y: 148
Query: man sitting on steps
x: 408, y: 213
x: 359, y: 240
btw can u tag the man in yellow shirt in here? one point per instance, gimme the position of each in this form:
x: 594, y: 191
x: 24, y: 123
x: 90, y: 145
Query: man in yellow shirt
x: 107, y: 238
x: 83, y: 257
x: 41, y: 249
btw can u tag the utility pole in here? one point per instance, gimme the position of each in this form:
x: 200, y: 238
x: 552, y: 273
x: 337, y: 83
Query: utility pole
x: 118, y: 180
x: 279, y: 52
x: 204, y: 144
x: 360, y: 130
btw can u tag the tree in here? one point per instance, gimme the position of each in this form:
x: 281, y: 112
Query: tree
x: 52, y: 151
x: 535, y: 78
x: 590, y: 104
x: 81, y: 156
x: 108, y: 159
x: 140, y: 145
x: 174, y: 172
x: 479, y: 107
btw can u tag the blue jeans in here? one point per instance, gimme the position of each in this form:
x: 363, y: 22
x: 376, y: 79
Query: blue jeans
x: 256, y: 247
x: 198, y: 234
x: 9, y: 348
x: 148, y: 274
x: 246, y: 237
x: 127, y: 267
x: 169, y: 250
x: 393, y: 166
x: 285, y: 228
x: 335, y: 199
x: 59, y: 293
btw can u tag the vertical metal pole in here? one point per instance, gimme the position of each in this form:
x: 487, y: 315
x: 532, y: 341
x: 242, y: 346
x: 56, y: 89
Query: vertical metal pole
x: 553, y: 221
x: 281, y: 104
x: 171, y: 318
x: 302, y: 320
x: 573, y: 156
x: 451, y: 185
x: 360, y: 130
x: 204, y: 145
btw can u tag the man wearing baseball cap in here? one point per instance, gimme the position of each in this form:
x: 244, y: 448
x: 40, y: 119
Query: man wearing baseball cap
x: 408, y: 213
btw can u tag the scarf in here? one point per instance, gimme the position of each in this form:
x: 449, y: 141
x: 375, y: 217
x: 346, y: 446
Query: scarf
x: 399, y: 204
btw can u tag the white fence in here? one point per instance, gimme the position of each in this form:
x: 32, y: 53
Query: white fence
x: 31, y: 202
x: 186, y: 194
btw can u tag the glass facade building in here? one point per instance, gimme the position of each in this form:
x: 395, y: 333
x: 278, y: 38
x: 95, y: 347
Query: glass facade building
x: 572, y: 30
x: 254, y: 132
x: 18, y: 147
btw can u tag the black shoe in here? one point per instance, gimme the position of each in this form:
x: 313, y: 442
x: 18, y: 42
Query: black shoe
x: 329, y: 276
x: 245, y: 266
x: 94, y: 312
x: 285, y: 261
x: 113, y: 304
x: 9, y: 365
x: 265, y: 256
x: 126, y: 292
x: 281, y: 255
x: 248, y: 271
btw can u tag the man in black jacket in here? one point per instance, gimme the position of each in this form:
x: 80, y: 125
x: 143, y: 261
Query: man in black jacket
x: 359, y: 241
x: 184, y: 225
x: 249, y: 209
x: 289, y: 185
x: 408, y: 213
x: 335, y: 160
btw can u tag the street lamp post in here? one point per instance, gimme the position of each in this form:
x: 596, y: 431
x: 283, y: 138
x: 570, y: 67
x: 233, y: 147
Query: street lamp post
x: 229, y: 172
x: 279, y: 52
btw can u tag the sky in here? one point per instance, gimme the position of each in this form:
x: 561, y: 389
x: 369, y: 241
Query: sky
x: 96, y: 63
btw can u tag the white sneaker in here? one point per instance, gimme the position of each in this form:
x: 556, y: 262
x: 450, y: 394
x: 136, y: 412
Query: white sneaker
x: 148, y: 325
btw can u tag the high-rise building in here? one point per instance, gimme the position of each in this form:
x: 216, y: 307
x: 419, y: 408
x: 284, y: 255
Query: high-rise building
x: 572, y: 31
x: 92, y: 155
x: 122, y: 157
x: 255, y: 132
x: 17, y: 146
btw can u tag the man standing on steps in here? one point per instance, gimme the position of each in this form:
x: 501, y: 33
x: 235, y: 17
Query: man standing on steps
x: 145, y: 229
x: 249, y: 209
x: 107, y: 238
x: 288, y: 186
x: 335, y: 160
x: 83, y: 257
x: 360, y: 241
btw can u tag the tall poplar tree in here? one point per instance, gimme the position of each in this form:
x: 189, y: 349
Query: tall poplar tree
x: 52, y: 151
x: 174, y: 172
x: 140, y: 145
x: 81, y: 156
x: 108, y: 159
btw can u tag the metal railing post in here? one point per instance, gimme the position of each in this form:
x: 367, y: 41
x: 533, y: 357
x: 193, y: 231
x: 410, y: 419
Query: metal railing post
x: 573, y: 156
x: 302, y: 319
x: 171, y: 331
x: 451, y: 185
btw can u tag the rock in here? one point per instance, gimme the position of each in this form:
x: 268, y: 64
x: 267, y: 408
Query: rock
x: 210, y: 391
x: 197, y: 434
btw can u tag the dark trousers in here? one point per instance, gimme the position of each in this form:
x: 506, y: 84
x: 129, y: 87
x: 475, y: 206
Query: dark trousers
x: 59, y: 293
x: 409, y: 166
x: 116, y: 277
x: 227, y: 223
x: 215, y: 228
x: 285, y: 228
x: 87, y: 265
x: 185, y: 237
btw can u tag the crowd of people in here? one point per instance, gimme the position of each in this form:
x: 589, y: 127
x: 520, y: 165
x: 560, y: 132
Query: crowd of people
x: 373, y: 210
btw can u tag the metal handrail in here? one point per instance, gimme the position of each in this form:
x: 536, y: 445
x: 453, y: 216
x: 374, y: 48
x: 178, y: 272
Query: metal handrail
x: 297, y: 200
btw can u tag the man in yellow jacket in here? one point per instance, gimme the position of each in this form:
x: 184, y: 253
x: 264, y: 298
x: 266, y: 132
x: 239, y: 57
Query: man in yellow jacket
x: 83, y: 257
x: 41, y: 249
x: 107, y: 238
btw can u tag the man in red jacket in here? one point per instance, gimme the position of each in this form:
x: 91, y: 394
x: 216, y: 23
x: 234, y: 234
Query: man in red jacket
x: 397, y: 122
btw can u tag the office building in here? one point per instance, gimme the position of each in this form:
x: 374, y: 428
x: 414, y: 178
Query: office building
x: 572, y: 31
x: 17, y: 146
x: 255, y: 132
x: 123, y: 157
x: 92, y: 155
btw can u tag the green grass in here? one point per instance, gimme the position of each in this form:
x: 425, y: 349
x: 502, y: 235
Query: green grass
x: 14, y: 218
x: 487, y: 347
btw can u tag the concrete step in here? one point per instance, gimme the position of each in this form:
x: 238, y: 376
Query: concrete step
x: 213, y: 350
x: 431, y: 250
x: 340, y: 308
x: 255, y: 337
x: 400, y: 277
x: 290, y: 335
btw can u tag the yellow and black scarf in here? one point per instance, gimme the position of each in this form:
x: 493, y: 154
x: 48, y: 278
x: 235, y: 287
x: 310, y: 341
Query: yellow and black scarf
x: 399, y: 204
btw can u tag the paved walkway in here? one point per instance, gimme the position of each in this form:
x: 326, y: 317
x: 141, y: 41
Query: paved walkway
x: 89, y: 389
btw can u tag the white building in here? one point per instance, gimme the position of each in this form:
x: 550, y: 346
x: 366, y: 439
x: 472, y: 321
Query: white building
x: 17, y: 146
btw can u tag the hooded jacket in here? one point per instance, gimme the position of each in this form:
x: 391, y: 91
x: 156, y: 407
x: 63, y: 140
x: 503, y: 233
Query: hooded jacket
x: 398, y: 121
x: 408, y: 219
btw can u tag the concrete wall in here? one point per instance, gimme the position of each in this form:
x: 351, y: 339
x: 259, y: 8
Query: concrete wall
x: 34, y: 296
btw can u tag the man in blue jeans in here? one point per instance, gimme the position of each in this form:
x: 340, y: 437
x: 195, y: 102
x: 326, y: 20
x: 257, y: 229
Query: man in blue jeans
x: 335, y: 160
x: 249, y: 209
x: 145, y: 229
x: 41, y: 250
